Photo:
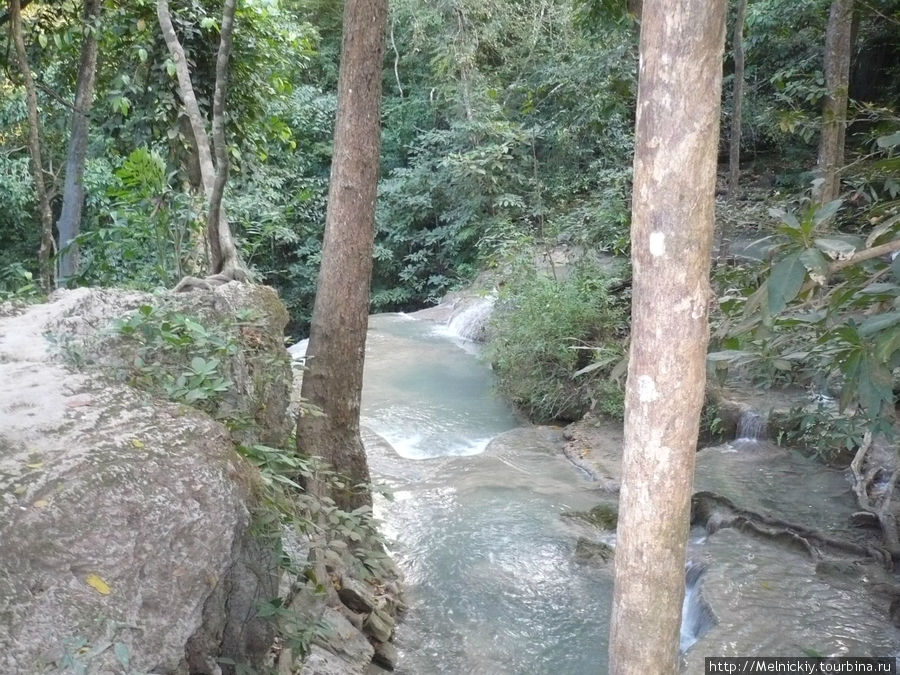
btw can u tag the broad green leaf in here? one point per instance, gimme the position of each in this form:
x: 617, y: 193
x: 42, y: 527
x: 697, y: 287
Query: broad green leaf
x: 835, y: 248
x: 816, y: 265
x: 827, y: 211
x: 785, y: 282
x: 885, y: 227
x: 889, y: 141
x: 878, y: 323
x: 888, y: 343
x: 123, y: 653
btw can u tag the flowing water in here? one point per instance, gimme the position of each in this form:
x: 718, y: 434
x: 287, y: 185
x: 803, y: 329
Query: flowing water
x: 492, y: 584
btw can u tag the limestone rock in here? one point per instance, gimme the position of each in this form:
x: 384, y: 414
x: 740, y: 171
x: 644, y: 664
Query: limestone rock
x: 356, y: 595
x: 122, y: 517
x: 593, y: 552
x: 343, y: 639
x: 322, y: 662
x: 379, y: 625
x: 385, y: 655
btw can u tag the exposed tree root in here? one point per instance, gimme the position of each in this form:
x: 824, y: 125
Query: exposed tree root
x: 189, y: 283
x: 876, y: 499
x: 716, y: 512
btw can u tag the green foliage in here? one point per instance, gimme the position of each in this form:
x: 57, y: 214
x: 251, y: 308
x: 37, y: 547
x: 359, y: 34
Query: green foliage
x: 17, y: 283
x: 800, y: 325
x: 144, y: 230
x: 177, y: 356
x: 555, y: 344
x: 829, y: 435
x: 286, y: 506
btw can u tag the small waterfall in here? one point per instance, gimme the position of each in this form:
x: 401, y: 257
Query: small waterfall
x: 751, y: 426
x: 696, y: 616
x: 471, y: 323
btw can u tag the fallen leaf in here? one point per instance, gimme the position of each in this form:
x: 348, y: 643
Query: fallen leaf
x: 40, y: 503
x: 97, y: 584
x: 136, y: 443
x: 35, y: 465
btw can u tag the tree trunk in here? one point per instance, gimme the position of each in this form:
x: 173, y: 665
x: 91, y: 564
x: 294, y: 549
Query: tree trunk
x: 223, y: 254
x: 837, y: 82
x: 336, y: 351
x: 734, y: 153
x: 676, y: 143
x: 69, y: 223
x: 186, y: 91
x: 34, y: 148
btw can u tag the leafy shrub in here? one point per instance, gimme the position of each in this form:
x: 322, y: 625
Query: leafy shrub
x: 555, y: 344
x: 177, y: 356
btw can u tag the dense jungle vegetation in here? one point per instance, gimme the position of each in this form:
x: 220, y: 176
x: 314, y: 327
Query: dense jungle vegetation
x: 507, y: 135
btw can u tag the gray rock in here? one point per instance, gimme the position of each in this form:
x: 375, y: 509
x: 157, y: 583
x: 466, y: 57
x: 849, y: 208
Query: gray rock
x: 122, y: 518
x: 357, y: 595
x: 593, y: 552
x: 385, y: 655
x: 379, y: 625
x: 322, y: 662
x: 354, y: 618
x: 341, y: 638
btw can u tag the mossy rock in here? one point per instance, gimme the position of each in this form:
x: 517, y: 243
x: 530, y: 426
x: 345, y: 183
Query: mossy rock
x: 602, y: 516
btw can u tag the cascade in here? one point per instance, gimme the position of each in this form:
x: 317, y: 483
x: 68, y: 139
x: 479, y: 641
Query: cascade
x: 471, y: 322
x: 751, y: 426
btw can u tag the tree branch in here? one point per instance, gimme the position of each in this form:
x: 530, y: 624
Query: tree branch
x: 5, y: 16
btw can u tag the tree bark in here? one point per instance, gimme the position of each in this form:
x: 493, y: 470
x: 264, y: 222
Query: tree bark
x: 734, y: 151
x: 223, y: 254
x: 837, y: 83
x: 188, y: 98
x: 333, y: 380
x: 34, y: 148
x: 676, y: 144
x: 69, y: 224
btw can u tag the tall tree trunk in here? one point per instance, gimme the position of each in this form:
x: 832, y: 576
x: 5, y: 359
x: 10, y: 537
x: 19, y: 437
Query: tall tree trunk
x: 69, y: 224
x: 336, y: 351
x: 188, y: 98
x: 737, y: 101
x: 218, y: 233
x: 34, y: 148
x: 223, y: 254
x: 837, y: 83
x: 676, y: 143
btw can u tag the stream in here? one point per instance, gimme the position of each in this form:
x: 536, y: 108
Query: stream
x: 493, y: 587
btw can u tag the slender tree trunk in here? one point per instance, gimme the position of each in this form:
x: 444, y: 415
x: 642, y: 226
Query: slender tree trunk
x: 837, y: 83
x: 336, y: 351
x: 671, y: 238
x: 223, y: 259
x: 45, y: 252
x: 69, y: 223
x: 186, y: 91
x: 734, y: 151
x: 218, y: 233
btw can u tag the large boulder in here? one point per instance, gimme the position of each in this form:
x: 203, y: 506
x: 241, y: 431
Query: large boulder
x: 125, y: 519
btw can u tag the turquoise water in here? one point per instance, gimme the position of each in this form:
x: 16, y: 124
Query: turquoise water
x: 492, y: 586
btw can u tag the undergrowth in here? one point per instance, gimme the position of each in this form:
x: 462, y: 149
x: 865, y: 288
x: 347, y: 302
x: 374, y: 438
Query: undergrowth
x: 558, y: 346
